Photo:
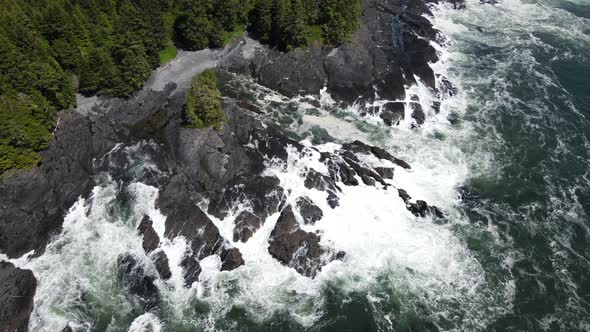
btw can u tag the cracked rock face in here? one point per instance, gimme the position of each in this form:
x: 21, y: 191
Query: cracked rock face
x: 17, y: 290
x: 207, y: 170
x: 390, y: 48
x: 297, y: 248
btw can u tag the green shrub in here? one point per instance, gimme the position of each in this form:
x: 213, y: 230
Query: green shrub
x: 203, y: 103
x: 24, y: 129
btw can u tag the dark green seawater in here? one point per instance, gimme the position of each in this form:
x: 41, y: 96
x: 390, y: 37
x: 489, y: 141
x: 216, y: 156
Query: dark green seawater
x: 511, y: 170
x: 525, y: 69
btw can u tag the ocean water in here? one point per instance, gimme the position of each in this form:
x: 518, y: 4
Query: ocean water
x: 507, y: 159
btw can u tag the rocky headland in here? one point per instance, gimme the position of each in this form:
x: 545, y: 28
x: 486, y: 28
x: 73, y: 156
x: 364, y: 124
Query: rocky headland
x: 390, y: 51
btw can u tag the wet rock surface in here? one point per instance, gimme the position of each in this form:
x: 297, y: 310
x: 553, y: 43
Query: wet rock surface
x: 420, y: 208
x: 296, y: 248
x: 34, y: 202
x: 141, y: 285
x: 17, y: 290
x: 162, y: 265
x: 191, y: 269
x: 226, y: 166
x: 246, y: 224
x: 151, y: 241
x: 390, y: 48
x: 308, y: 210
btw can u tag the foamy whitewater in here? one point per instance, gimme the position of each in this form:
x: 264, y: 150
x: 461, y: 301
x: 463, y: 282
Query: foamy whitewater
x: 459, y: 274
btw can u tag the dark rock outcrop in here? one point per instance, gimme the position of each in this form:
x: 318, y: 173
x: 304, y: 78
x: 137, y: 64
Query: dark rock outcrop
x: 308, y: 210
x: 150, y: 241
x: 417, y: 113
x: 384, y: 55
x: 34, y: 201
x: 246, y: 224
x: 297, y: 248
x: 392, y: 113
x: 141, y: 285
x: 17, y: 290
x: 161, y: 262
x: 390, y: 48
x: 420, y: 208
x: 231, y: 259
x: 191, y: 269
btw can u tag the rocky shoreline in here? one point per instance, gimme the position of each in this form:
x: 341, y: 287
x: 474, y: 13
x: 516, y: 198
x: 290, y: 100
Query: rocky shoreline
x: 390, y: 51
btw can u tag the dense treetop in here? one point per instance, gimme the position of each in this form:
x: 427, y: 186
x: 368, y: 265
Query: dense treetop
x: 51, y: 49
x: 203, y: 102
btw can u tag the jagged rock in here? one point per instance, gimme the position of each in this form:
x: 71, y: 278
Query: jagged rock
x: 133, y: 275
x: 457, y: 4
x: 361, y: 147
x: 488, y: 2
x: 388, y: 118
x: 437, y: 212
x: 308, y: 210
x: 231, y: 259
x: 346, y: 174
x: 162, y: 266
x: 151, y: 241
x: 34, y: 201
x: 248, y: 105
x: 300, y: 72
x: 391, y: 86
x: 191, y: 269
x: 184, y: 217
x: 447, y: 89
x: 263, y: 193
x: 318, y: 181
x: 333, y: 200
x: 382, y: 154
x: 420, y: 208
x: 384, y: 172
x: 417, y: 113
x: 390, y: 47
x: 294, y: 247
x: 392, y: 113
x: 246, y: 224
x: 272, y: 143
x: 404, y: 195
x: 369, y: 181
x: 17, y: 292
x: 349, y: 72
x: 313, y: 102
x: 367, y: 174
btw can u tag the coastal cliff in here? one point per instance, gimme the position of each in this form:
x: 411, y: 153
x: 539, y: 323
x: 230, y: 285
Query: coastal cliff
x: 204, y: 173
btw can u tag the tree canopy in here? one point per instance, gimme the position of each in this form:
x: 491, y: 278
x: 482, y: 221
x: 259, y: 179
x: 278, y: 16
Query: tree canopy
x: 203, y: 102
x: 51, y: 49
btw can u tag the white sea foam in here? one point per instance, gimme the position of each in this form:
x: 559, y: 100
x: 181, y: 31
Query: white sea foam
x: 147, y: 322
x: 423, y: 261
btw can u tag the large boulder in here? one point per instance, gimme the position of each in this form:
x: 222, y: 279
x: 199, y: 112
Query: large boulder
x: 17, y: 292
x: 150, y: 239
x: 297, y: 248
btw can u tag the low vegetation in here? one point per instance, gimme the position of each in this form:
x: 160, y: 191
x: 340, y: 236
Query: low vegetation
x: 203, y: 102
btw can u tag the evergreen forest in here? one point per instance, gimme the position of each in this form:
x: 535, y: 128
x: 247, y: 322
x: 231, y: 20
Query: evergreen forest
x: 52, y: 49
